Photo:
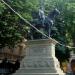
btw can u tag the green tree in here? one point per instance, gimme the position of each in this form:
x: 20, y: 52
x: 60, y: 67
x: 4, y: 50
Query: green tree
x: 12, y: 28
x: 11, y: 31
x: 24, y: 7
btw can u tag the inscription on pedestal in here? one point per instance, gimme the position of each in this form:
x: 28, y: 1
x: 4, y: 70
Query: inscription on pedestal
x: 39, y: 51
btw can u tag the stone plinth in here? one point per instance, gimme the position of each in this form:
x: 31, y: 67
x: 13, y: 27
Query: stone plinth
x: 40, y: 59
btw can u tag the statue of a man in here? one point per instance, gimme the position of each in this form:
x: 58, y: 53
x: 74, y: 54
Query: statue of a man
x: 41, y: 16
x: 44, y: 24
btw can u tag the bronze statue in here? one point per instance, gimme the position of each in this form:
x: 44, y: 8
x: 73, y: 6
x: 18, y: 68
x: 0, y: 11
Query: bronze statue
x: 44, y: 24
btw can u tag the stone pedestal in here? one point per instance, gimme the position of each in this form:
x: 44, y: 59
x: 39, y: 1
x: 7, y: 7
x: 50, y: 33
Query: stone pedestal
x: 40, y: 59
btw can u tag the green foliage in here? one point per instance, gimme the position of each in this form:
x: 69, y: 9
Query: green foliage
x: 24, y: 7
x: 2, y: 7
x: 11, y: 31
x: 12, y: 28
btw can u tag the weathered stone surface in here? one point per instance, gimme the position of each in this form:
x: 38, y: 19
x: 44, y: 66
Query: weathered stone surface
x: 40, y: 59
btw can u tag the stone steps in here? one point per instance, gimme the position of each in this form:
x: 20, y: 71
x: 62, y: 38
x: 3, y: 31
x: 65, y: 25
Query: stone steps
x: 36, y: 71
x: 37, y: 74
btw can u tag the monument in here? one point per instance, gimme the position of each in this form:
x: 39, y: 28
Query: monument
x: 40, y: 52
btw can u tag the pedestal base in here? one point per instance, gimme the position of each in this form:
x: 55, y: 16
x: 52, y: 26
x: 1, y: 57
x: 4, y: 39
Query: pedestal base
x: 40, y: 59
